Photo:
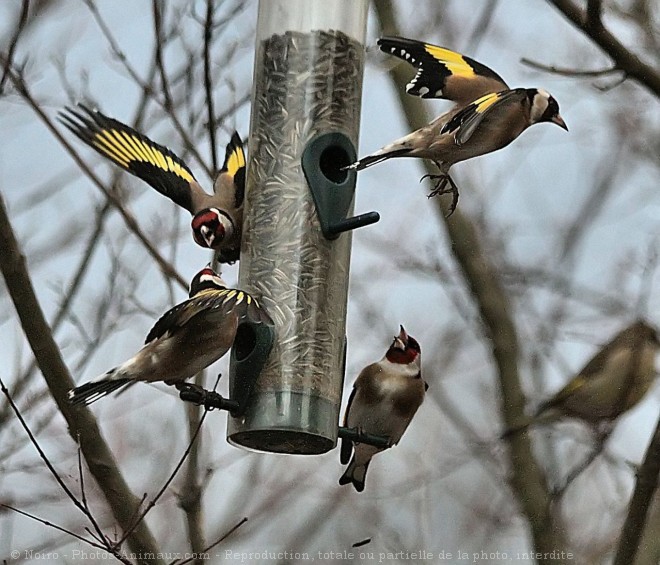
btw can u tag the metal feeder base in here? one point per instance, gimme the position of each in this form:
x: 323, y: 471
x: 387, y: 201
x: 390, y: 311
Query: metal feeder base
x: 285, y: 422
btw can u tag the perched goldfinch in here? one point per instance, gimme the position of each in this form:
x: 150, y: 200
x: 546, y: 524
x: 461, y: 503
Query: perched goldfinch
x: 384, y: 400
x: 217, y: 218
x: 487, y: 116
x: 186, y: 339
x: 611, y: 383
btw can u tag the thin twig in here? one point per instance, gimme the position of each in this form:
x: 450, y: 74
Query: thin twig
x: 527, y: 480
x: 64, y: 530
x: 623, y: 57
x: 44, y: 458
x: 479, y: 31
x: 584, y: 465
x: 208, y: 82
x: 191, y: 501
x: 169, y: 480
x: 160, y: 64
x: 79, y: 420
x: 215, y: 543
x: 566, y: 72
x: 114, y: 47
x: 640, y: 502
x: 22, y: 19
x: 130, y: 221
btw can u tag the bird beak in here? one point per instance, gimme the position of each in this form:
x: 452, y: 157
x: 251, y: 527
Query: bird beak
x: 401, y: 341
x: 207, y: 234
x: 559, y: 121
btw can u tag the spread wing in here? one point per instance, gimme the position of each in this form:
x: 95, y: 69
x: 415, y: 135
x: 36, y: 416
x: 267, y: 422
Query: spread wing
x: 221, y: 301
x: 442, y: 73
x: 232, y: 173
x: 134, y: 152
x: 465, y: 122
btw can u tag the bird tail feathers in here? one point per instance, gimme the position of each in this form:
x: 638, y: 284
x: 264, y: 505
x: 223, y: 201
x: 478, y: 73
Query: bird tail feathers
x: 379, y: 156
x: 92, y: 391
x: 355, y: 474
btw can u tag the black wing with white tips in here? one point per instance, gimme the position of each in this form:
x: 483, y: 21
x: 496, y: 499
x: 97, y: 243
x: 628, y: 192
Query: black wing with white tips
x: 442, y: 73
x: 224, y: 301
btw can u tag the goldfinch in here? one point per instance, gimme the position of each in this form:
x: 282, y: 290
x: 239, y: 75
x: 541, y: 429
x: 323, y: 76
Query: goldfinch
x: 611, y: 383
x: 383, y: 401
x: 186, y: 339
x: 487, y: 116
x: 217, y: 218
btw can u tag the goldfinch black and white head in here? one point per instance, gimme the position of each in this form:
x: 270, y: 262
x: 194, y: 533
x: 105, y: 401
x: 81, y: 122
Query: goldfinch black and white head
x: 185, y: 340
x: 385, y: 397
x: 487, y: 115
x: 211, y: 227
x: 163, y: 170
x: 206, y: 279
x: 544, y: 108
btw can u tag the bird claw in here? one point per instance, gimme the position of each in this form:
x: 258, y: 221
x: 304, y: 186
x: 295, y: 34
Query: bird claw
x: 441, y: 187
x: 191, y: 392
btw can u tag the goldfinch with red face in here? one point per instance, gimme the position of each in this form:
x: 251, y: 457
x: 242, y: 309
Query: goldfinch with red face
x: 217, y: 218
x: 611, y: 383
x: 384, y: 400
x: 487, y: 116
x: 186, y: 339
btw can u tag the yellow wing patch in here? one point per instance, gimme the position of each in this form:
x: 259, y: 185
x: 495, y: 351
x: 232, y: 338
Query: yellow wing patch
x: 104, y: 143
x: 482, y: 104
x: 124, y: 149
x: 236, y: 161
x: 229, y: 296
x: 576, y: 384
x: 454, y: 62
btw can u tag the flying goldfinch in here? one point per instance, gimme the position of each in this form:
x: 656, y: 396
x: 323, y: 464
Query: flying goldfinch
x: 383, y: 401
x: 487, y: 116
x: 217, y: 218
x: 186, y: 339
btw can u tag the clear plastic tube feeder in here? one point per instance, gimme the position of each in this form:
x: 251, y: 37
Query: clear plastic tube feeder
x: 296, y: 249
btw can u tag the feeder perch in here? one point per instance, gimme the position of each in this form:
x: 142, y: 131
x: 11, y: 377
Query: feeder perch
x: 333, y: 186
x: 306, y: 98
x: 252, y: 345
x: 356, y: 436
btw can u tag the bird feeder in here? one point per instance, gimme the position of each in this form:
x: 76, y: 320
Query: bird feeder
x: 298, y: 214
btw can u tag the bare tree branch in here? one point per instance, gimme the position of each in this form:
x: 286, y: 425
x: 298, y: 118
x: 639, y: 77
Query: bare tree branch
x: 565, y: 72
x: 645, y: 489
x: 130, y: 221
x: 217, y: 542
x: 22, y: 19
x: 190, y: 146
x: 527, y: 479
x: 80, y: 423
x: 138, y: 520
x: 208, y: 80
x: 590, y: 23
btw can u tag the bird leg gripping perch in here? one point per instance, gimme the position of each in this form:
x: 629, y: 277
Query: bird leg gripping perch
x: 358, y: 436
x: 211, y: 400
x: 324, y: 162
